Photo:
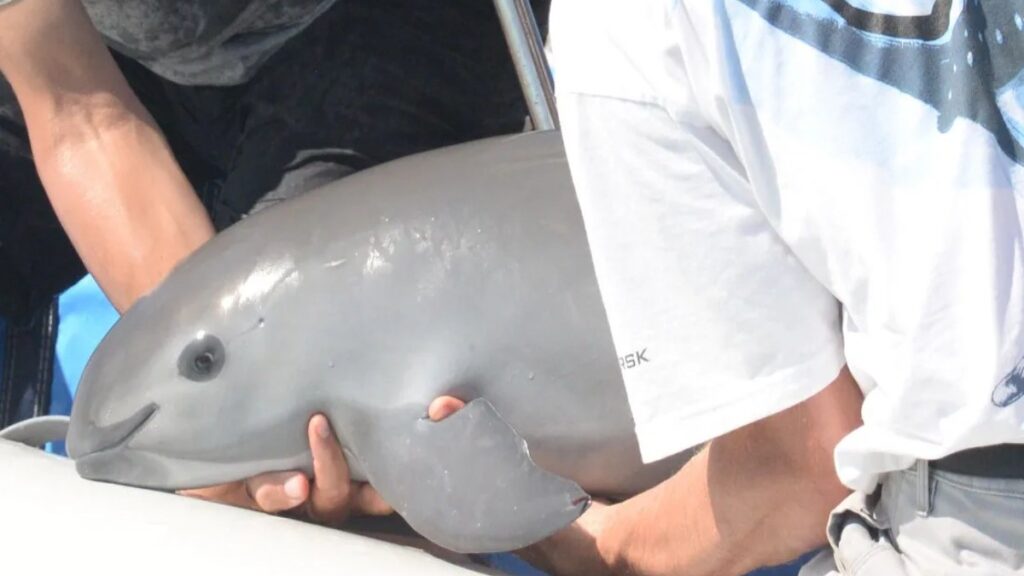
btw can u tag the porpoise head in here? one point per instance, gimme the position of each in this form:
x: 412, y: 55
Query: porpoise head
x: 169, y: 398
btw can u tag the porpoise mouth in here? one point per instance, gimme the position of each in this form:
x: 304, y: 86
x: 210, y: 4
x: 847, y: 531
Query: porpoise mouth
x: 86, y: 438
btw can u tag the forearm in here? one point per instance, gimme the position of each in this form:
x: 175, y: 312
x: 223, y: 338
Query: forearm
x: 110, y: 175
x: 755, y: 497
x: 755, y: 525
x: 122, y: 199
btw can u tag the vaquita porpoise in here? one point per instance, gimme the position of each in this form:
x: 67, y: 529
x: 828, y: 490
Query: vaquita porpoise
x: 461, y: 271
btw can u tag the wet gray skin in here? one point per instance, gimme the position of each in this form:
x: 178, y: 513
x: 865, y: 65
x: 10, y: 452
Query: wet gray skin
x: 462, y: 271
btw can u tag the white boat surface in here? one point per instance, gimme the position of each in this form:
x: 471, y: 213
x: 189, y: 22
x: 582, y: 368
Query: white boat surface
x: 54, y: 522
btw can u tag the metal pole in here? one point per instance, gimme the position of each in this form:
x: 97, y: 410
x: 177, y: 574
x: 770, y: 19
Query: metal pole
x: 527, y: 48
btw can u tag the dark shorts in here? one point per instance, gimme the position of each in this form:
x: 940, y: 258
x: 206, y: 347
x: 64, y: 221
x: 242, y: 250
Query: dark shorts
x: 368, y: 82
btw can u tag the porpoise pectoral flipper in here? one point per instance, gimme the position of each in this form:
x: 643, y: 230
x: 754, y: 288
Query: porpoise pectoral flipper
x: 468, y: 482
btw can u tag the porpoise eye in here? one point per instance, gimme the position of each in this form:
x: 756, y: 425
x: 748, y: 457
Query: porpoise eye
x: 202, y: 359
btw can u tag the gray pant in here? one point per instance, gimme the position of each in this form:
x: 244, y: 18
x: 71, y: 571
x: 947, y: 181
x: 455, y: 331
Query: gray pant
x: 924, y: 522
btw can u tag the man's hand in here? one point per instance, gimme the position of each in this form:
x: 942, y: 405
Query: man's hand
x: 332, y: 497
x: 329, y: 499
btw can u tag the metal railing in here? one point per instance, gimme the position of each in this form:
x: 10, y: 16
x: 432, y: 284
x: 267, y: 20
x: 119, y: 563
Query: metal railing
x: 527, y: 49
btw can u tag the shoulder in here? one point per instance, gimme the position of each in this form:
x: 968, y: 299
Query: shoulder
x: 611, y: 48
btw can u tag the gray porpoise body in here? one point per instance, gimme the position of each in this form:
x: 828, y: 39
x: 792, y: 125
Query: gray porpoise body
x: 459, y: 271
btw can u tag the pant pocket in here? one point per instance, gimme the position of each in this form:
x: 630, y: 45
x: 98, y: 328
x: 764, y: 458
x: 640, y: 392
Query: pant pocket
x: 862, y: 546
x: 866, y: 551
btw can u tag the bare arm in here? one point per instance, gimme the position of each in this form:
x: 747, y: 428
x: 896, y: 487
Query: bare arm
x: 756, y: 497
x: 110, y: 175
x: 128, y: 208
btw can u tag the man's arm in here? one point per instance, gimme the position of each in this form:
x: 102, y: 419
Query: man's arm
x: 755, y: 497
x: 109, y: 173
x: 128, y: 208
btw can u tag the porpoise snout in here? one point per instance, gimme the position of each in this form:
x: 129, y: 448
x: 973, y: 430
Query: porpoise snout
x: 86, y: 437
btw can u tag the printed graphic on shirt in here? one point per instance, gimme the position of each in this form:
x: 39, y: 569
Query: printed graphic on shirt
x: 970, y: 68
x: 1011, y: 388
x: 633, y: 359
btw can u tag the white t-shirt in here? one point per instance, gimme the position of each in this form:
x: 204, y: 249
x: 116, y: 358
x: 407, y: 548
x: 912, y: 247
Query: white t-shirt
x: 773, y: 188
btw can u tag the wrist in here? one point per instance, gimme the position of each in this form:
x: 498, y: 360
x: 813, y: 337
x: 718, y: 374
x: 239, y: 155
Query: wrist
x: 608, y: 539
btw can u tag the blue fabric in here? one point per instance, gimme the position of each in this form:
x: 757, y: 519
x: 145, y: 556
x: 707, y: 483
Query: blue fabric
x: 791, y: 569
x: 509, y: 564
x: 85, y: 317
x: 513, y: 565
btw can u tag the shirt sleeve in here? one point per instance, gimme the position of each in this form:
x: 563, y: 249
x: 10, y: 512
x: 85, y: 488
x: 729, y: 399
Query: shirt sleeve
x: 716, y: 323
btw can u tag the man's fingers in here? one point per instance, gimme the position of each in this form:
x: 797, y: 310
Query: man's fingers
x: 274, y: 492
x: 443, y: 407
x: 234, y: 494
x: 332, y: 489
x: 331, y: 496
x: 278, y: 491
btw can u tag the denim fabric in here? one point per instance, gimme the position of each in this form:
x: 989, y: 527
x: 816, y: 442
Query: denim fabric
x: 27, y: 368
x: 922, y: 521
